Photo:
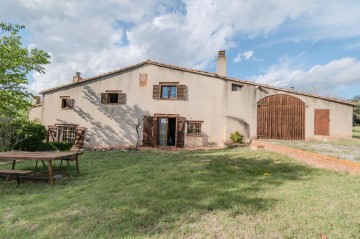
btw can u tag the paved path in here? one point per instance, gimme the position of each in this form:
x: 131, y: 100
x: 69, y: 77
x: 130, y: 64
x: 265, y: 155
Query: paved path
x: 314, y: 159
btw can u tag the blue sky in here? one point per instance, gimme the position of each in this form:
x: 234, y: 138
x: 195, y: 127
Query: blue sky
x: 313, y: 45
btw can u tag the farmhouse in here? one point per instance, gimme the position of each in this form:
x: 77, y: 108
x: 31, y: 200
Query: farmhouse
x: 183, y: 107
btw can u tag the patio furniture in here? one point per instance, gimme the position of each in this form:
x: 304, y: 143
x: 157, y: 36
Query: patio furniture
x: 44, y: 156
x: 16, y: 173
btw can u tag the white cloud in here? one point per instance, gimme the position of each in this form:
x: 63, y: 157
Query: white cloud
x: 329, y: 78
x: 94, y: 37
x: 237, y: 59
x: 248, y: 54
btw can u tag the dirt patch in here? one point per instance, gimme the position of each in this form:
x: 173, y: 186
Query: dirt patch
x: 341, y: 149
x: 314, y: 159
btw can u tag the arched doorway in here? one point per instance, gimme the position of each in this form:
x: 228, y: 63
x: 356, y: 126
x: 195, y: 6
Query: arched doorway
x: 281, y: 117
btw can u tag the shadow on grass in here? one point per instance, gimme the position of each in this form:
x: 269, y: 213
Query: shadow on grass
x: 155, y: 194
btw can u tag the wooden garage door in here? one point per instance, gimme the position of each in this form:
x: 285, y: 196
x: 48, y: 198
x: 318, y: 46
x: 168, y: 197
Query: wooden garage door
x: 322, y: 118
x: 281, y: 117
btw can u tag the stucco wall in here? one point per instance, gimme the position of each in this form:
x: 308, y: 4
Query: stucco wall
x: 208, y: 99
x: 35, y: 112
x: 242, y: 105
x: 111, y: 125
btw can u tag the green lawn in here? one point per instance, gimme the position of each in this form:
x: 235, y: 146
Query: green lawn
x: 230, y: 193
x: 356, y: 132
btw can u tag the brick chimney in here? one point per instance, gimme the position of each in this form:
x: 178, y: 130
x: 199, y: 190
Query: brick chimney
x: 221, y: 64
x: 77, y: 77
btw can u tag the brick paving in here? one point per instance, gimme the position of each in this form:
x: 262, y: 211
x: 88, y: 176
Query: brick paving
x: 313, y: 159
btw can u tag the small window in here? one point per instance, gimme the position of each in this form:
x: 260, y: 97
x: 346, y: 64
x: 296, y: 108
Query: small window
x: 113, y: 98
x: 66, y: 134
x: 235, y: 87
x: 168, y: 92
x: 194, y: 128
x: 66, y: 103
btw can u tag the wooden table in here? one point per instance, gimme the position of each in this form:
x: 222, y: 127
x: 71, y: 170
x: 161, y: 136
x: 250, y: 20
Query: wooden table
x: 44, y: 156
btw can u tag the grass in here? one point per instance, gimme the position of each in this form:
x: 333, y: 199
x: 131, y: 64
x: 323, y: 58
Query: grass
x: 356, y: 132
x: 230, y: 193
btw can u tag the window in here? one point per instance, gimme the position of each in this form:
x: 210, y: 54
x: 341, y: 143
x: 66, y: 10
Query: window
x: 66, y: 102
x: 168, y: 92
x: 113, y: 97
x: 194, y: 128
x: 66, y: 134
x: 235, y: 87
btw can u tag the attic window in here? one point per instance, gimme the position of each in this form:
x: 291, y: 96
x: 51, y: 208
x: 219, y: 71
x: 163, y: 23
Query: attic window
x: 235, y: 87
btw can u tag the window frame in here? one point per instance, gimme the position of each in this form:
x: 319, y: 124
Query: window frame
x: 70, y: 130
x: 236, y: 87
x: 64, y: 103
x: 197, y: 126
x: 169, y: 92
x: 106, y: 97
x: 109, y: 97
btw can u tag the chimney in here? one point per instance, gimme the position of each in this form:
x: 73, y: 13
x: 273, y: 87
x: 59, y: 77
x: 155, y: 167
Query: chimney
x: 292, y: 88
x: 77, y: 77
x: 221, y: 64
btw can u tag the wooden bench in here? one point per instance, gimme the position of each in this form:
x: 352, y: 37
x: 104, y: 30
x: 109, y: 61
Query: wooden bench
x: 16, y: 173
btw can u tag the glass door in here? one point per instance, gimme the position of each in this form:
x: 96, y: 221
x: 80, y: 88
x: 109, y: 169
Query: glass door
x: 163, y: 125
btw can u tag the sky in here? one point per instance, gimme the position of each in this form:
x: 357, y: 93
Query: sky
x: 311, y: 45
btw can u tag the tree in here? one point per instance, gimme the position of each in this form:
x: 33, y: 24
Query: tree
x: 137, y: 126
x: 16, y: 62
x: 356, y: 100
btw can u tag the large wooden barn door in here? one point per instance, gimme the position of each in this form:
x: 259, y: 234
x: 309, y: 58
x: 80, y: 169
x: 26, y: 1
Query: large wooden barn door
x: 281, y: 117
x: 322, y: 119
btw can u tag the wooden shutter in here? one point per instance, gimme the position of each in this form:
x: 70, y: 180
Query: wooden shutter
x: 156, y: 91
x: 180, y: 132
x: 104, y: 98
x: 70, y: 103
x: 52, y: 133
x: 121, y: 98
x: 148, y: 131
x: 180, y: 92
x: 154, y: 132
x: 79, y: 137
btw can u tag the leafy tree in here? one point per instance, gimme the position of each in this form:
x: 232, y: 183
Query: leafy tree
x: 356, y: 100
x: 15, y: 64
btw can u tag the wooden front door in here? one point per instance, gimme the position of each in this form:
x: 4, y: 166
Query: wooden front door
x: 322, y: 119
x: 164, y: 130
x: 281, y: 117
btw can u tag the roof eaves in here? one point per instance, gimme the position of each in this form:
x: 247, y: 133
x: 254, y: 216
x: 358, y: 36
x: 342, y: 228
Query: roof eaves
x: 94, y: 77
x: 205, y: 73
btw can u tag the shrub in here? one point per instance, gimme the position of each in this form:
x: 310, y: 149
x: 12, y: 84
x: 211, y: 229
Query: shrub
x: 31, y: 135
x: 62, y: 146
x: 236, y: 137
x: 54, y: 146
x: 48, y: 146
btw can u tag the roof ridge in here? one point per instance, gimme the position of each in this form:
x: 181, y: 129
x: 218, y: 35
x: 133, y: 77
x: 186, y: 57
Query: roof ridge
x: 211, y: 74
